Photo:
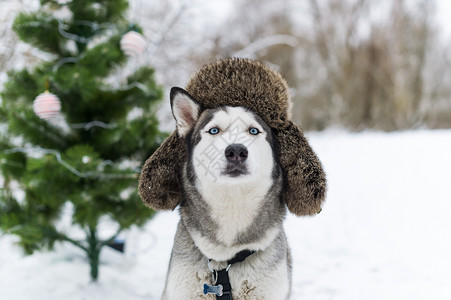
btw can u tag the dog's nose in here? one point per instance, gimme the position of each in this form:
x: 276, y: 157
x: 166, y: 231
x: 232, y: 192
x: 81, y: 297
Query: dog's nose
x: 236, y: 153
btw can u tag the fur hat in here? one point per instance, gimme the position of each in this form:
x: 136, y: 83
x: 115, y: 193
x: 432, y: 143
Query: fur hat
x: 250, y: 84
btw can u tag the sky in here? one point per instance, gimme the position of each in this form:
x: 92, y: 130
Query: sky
x: 444, y: 17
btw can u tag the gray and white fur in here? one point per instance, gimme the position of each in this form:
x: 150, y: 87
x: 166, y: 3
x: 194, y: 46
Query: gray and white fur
x: 232, y: 184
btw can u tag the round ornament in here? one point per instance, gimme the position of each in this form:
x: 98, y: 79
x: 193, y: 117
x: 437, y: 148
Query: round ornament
x: 132, y: 43
x: 47, y: 106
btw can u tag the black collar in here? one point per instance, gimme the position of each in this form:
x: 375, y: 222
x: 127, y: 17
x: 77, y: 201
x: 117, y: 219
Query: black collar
x: 240, y: 256
x: 222, y: 276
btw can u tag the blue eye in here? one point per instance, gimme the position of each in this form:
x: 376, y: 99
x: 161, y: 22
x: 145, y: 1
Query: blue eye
x: 213, y: 131
x: 254, y: 131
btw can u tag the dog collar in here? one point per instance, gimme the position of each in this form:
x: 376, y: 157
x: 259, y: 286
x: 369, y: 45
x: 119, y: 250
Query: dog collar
x: 222, y: 287
x: 240, y: 256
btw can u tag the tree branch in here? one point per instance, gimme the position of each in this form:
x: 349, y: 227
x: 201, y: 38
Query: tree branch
x: 63, y: 237
x: 266, y: 42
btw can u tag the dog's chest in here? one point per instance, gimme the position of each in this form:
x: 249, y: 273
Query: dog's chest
x: 234, y: 210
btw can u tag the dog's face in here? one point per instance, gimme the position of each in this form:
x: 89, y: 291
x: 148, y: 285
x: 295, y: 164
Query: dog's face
x: 227, y: 145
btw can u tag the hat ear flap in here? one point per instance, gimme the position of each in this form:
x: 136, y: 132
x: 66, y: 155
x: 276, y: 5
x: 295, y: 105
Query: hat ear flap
x: 160, y: 185
x: 305, y: 188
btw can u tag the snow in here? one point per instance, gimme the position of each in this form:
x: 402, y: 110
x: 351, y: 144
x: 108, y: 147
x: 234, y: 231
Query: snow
x: 383, y: 232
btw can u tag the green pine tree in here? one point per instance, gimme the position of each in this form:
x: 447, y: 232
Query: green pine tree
x: 89, y: 162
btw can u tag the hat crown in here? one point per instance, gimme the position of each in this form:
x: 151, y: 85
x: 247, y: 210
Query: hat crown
x: 245, y: 83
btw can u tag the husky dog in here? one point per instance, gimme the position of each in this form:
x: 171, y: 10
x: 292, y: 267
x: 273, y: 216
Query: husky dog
x: 233, y: 166
x: 232, y: 183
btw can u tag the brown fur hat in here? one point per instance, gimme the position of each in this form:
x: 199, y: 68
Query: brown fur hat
x: 250, y: 84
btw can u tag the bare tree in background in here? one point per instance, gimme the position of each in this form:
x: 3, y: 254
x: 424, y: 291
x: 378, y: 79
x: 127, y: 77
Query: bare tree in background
x: 165, y: 25
x: 436, y: 107
x: 374, y: 81
x: 13, y: 53
x: 347, y: 68
x: 410, y: 39
x: 9, y: 40
x: 258, y: 29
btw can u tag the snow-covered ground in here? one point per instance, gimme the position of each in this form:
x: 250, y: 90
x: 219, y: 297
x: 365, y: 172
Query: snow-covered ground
x: 384, y: 233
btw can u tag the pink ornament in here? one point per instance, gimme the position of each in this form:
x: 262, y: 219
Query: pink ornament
x: 132, y: 43
x: 47, y: 106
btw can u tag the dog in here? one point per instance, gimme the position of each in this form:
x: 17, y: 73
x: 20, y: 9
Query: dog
x: 231, y: 215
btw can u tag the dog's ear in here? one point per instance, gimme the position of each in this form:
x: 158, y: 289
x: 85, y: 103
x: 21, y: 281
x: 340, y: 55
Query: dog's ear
x: 184, y: 109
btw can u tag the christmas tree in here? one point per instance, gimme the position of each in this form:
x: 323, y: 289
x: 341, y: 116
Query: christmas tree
x: 72, y: 137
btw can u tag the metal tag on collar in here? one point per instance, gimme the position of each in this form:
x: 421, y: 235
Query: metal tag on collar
x: 217, y: 290
x: 213, y: 289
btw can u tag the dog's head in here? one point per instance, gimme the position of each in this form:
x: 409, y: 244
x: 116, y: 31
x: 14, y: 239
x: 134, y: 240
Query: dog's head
x: 225, y: 145
x: 254, y: 87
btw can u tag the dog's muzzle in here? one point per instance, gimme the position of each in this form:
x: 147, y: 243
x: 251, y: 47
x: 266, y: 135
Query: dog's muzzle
x: 236, y: 155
